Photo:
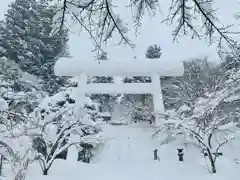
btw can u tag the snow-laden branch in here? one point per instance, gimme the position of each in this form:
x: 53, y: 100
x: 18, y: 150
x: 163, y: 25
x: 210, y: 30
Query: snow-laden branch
x: 98, y: 18
x: 207, y: 128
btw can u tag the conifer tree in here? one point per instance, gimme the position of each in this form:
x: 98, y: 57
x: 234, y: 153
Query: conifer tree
x: 25, y: 36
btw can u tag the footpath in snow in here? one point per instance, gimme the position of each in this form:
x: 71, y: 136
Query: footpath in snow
x: 127, y: 144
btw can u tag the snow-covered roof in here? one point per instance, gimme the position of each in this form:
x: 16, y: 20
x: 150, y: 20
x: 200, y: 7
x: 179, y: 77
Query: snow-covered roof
x: 121, y: 67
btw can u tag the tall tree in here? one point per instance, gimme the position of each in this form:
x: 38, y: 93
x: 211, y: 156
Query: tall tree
x: 25, y: 36
x: 200, y: 77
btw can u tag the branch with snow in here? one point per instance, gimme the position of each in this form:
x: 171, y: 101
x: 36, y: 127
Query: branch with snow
x: 208, y: 128
x: 96, y: 17
x: 99, y: 20
x: 56, y: 138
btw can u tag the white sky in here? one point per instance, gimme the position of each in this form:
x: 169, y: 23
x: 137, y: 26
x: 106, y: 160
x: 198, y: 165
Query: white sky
x: 152, y: 32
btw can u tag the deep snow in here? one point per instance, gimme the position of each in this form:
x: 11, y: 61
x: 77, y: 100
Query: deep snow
x: 128, y: 155
x: 117, y: 67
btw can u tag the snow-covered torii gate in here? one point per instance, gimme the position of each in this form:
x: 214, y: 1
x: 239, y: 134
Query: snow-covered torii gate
x: 153, y: 68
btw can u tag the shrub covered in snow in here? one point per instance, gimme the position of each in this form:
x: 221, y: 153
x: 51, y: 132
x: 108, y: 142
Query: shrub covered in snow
x: 143, y: 111
x: 204, y: 126
x: 59, y: 128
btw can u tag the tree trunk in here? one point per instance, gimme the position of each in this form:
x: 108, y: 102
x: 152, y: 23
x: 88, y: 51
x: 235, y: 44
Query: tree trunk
x: 1, y: 164
x: 213, y: 165
x: 155, y: 155
x: 212, y: 162
x: 45, y: 172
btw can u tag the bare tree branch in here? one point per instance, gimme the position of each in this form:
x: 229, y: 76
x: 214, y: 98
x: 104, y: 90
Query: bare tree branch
x: 99, y: 20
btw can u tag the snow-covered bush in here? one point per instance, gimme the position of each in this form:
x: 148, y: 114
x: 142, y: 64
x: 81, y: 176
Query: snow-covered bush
x: 15, y: 142
x: 143, y: 111
x: 59, y: 129
x: 206, y: 128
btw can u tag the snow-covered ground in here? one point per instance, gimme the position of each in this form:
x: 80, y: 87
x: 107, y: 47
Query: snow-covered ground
x: 128, y: 155
x: 127, y: 144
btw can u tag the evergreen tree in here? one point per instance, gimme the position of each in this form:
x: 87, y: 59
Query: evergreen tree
x: 231, y: 62
x: 25, y: 36
x: 153, y: 52
x: 19, y: 89
x: 200, y: 77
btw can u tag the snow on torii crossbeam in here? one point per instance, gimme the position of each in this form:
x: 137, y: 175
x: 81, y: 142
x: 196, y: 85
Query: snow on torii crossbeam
x: 153, y: 68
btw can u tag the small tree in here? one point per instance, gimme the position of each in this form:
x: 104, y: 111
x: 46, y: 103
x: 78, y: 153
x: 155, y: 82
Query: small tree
x: 25, y: 36
x: 58, y: 129
x: 55, y: 138
x: 205, y: 127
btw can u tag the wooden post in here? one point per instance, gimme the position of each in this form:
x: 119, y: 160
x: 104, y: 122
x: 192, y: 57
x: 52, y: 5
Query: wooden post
x: 1, y: 164
x: 155, y: 155
x: 180, y: 154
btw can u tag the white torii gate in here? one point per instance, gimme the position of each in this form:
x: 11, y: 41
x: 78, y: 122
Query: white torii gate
x: 146, y: 67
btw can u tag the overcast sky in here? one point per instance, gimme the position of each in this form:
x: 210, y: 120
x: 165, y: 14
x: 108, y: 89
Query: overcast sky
x: 152, y: 32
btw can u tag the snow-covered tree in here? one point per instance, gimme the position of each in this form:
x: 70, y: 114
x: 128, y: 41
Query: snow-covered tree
x: 231, y: 61
x: 204, y: 126
x: 56, y: 138
x: 25, y: 37
x: 21, y: 90
x: 59, y: 128
x: 200, y: 76
x: 143, y: 111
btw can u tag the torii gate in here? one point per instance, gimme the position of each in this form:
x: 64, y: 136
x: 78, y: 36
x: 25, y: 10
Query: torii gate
x: 153, y: 68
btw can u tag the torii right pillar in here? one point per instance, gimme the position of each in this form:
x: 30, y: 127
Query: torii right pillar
x: 157, y: 97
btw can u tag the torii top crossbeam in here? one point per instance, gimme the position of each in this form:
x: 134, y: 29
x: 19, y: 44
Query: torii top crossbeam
x: 145, y: 67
